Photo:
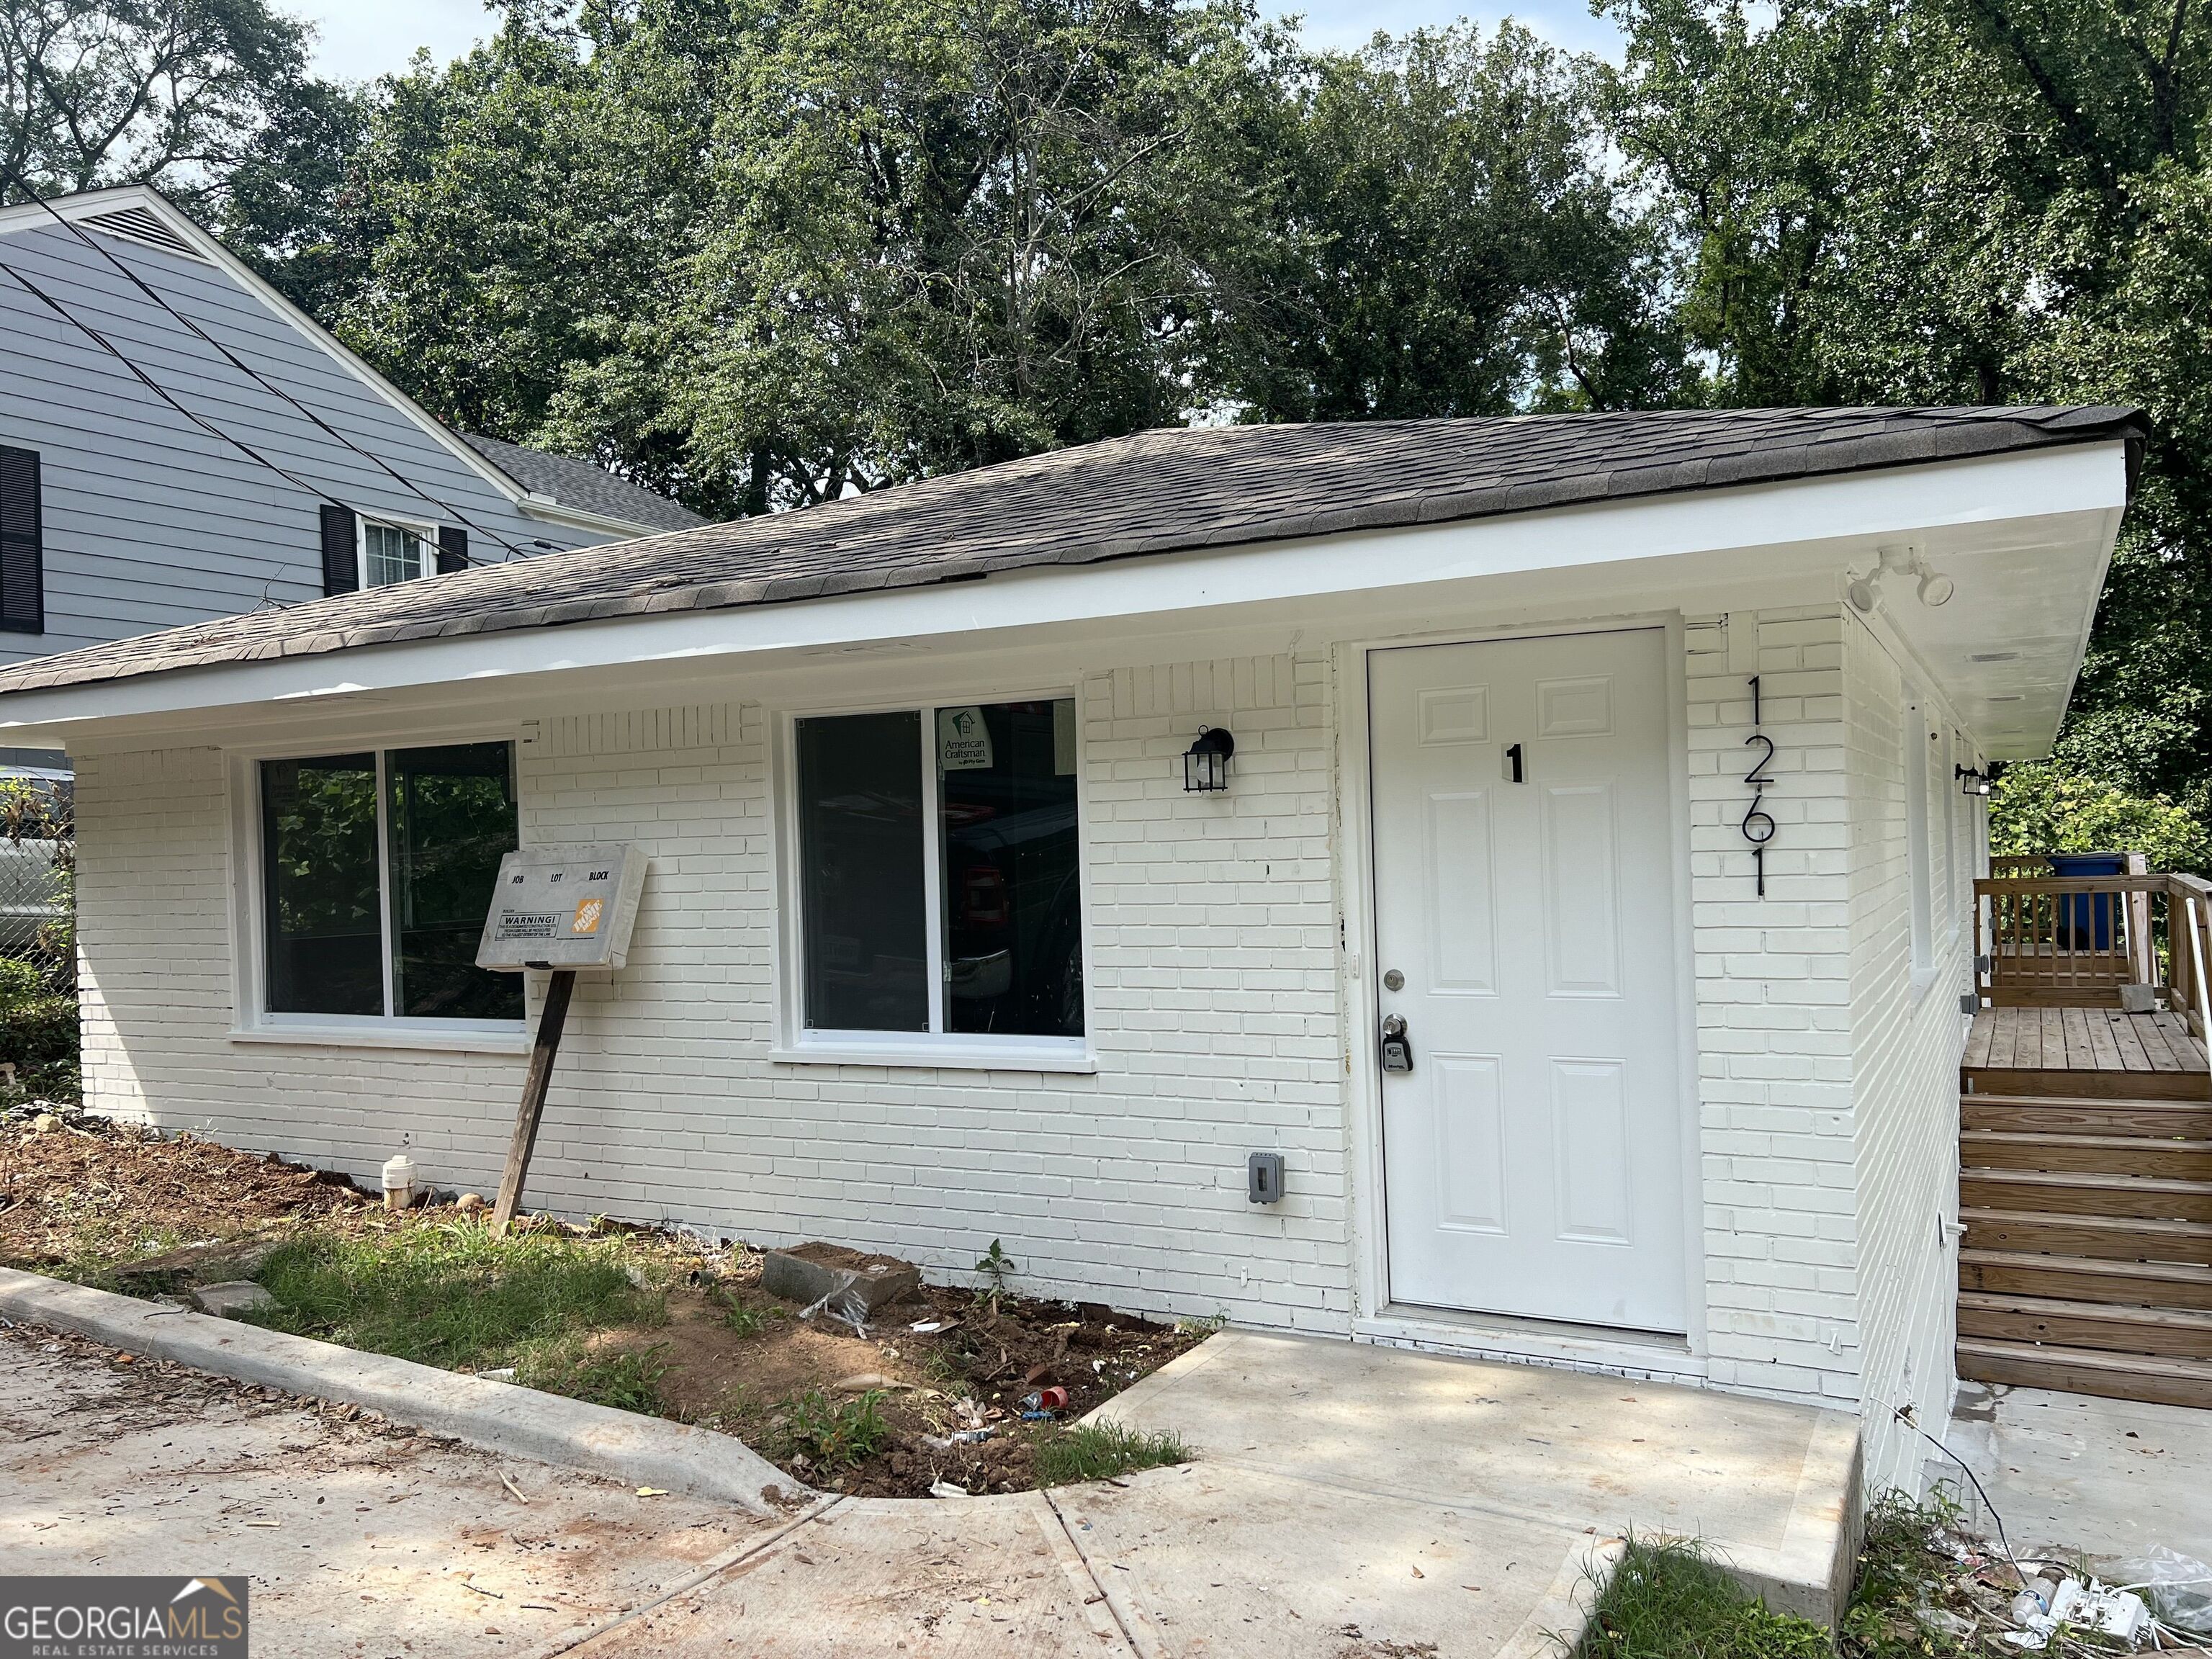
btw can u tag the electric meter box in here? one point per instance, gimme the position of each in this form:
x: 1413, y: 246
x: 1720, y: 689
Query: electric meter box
x: 563, y: 907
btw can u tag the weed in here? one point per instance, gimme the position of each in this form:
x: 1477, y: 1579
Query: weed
x: 448, y: 1294
x: 627, y: 1379
x: 1666, y: 1599
x: 835, y: 1434
x: 1212, y: 1325
x: 1100, y: 1450
x: 997, y: 1268
x: 1902, y: 1571
x: 742, y: 1320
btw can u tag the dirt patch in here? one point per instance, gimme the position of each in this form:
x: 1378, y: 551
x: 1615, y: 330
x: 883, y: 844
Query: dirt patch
x: 873, y: 1411
x: 743, y: 1362
x: 82, y: 1195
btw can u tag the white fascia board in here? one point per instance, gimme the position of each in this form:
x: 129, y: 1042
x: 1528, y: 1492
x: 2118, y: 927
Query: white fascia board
x: 548, y: 510
x: 1901, y: 501
x: 30, y: 216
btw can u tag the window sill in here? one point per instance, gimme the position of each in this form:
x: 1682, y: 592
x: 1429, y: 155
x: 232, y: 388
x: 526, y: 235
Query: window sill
x: 395, y: 1036
x: 960, y: 1057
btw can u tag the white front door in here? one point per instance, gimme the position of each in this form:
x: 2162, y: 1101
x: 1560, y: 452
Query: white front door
x: 1525, y: 934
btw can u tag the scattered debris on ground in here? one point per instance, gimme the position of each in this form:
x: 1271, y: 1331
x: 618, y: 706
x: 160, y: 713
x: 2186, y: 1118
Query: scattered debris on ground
x: 1926, y: 1586
x: 875, y: 1384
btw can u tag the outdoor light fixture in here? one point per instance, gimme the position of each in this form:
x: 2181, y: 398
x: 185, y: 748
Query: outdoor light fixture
x: 1205, y: 762
x: 1934, y: 588
x: 1970, y: 782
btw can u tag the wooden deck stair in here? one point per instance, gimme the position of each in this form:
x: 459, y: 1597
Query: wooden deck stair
x: 2087, y: 1263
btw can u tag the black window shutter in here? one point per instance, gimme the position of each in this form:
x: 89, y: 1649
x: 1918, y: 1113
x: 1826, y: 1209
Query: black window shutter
x: 22, y: 544
x: 452, y: 548
x: 341, y: 551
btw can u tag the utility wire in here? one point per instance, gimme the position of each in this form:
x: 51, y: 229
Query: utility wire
x: 10, y: 176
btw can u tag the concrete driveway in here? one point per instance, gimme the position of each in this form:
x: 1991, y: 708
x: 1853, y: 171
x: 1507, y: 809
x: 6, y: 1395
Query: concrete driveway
x: 1349, y: 1503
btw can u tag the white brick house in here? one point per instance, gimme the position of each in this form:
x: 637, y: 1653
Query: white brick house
x: 1491, y: 689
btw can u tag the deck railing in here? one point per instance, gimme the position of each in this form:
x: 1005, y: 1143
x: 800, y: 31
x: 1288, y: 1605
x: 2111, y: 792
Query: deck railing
x: 2046, y: 941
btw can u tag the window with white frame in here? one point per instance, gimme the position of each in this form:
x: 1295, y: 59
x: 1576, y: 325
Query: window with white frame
x: 938, y: 882
x: 394, y: 553
x: 377, y: 869
x: 1913, y: 735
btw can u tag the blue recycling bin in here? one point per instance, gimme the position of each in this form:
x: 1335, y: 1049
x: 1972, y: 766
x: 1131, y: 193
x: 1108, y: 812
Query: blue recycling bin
x: 2086, y: 922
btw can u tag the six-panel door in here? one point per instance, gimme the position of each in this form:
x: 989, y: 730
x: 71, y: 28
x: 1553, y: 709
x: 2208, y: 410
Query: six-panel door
x: 1532, y: 1155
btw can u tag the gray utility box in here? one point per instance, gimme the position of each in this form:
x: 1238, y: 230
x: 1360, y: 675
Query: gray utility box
x: 563, y: 907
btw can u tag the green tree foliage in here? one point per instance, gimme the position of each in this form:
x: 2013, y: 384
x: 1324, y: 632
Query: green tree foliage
x: 1956, y: 201
x: 166, y: 92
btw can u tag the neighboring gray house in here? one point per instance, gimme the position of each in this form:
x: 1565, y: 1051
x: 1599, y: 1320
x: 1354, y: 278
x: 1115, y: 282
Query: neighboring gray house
x: 151, y: 475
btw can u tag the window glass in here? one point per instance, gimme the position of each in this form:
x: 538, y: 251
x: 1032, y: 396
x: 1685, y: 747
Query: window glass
x: 860, y: 871
x: 324, y: 947
x: 392, y: 554
x: 1013, y: 936
x: 451, y: 820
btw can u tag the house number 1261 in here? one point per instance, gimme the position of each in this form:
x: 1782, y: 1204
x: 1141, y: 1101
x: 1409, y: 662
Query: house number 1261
x: 1758, y: 826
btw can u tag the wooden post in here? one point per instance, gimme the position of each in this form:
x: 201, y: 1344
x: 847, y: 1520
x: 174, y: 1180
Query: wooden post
x: 550, y: 1019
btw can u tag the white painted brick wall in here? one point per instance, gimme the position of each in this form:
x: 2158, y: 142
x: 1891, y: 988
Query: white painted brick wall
x: 1826, y: 1112
x: 1905, y: 1040
x: 1213, y: 959
x: 1773, y: 1008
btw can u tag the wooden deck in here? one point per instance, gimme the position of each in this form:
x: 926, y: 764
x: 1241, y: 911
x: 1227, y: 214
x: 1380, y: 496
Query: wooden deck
x: 2085, y: 1051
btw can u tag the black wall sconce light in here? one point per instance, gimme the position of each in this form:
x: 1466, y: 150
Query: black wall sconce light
x: 1970, y: 782
x: 1205, y: 762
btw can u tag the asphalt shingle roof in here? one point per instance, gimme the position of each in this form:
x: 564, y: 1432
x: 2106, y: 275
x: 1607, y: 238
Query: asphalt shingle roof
x: 581, y: 484
x: 1154, y: 492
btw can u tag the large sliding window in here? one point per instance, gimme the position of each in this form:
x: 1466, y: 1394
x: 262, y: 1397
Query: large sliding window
x: 937, y: 868
x: 377, y: 871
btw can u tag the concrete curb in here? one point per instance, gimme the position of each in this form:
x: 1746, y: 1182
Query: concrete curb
x: 495, y: 1416
x: 1810, y: 1572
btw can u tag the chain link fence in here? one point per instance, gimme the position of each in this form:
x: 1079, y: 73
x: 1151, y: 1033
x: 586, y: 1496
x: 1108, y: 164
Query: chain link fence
x: 39, y: 1037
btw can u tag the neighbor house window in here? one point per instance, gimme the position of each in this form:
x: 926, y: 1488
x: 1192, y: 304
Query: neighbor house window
x: 377, y: 869
x: 938, y: 872
x: 364, y: 552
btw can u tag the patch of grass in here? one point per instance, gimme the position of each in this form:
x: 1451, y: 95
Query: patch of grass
x: 1099, y: 1451
x: 448, y: 1294
x: 627, y: 1379
x: 1665, y: 1601
x: 836, y: 1434
x: 97, y: 1246
x: 1212, y: 1325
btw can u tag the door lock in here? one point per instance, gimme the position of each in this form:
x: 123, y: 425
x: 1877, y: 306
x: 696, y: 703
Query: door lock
x: 1397, y: 1047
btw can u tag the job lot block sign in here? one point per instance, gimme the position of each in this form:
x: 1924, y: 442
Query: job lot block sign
x: 563, y: 907
x: 117, y: 1618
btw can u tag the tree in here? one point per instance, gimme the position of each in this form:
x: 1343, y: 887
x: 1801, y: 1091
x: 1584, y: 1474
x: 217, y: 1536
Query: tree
x: 163, y: 92
x: 1443, y: 238
x: 1954, y: 201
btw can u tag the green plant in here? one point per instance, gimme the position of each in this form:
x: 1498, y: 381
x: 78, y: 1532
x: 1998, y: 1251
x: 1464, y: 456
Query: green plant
x: 1666, y: 1599
x: 1100, y: 1450
x: 627, y: 1379
x: 1902, y: 1571
x: 1210, y: 1326
x: 997, y: 1268
x: 742, y: 1320
x: 835, y: 1434
x: 449, y: 1294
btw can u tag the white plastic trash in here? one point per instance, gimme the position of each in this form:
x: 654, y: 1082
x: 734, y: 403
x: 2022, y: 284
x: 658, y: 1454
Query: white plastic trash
x: 398, y: 1182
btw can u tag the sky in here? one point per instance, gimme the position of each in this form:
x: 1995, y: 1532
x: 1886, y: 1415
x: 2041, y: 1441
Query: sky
x: 363, y: 39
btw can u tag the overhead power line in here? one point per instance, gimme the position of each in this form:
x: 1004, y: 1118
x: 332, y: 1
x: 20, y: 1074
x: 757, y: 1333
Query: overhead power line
x: 76, y: 230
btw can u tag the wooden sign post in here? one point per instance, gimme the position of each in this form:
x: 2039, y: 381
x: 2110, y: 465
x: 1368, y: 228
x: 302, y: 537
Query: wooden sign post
x: 550, y: 1019
x: 561, y: 908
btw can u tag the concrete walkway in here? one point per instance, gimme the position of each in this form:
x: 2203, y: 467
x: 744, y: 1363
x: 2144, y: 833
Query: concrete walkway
x: 1349, y: 1502
x: 2067, y: 1471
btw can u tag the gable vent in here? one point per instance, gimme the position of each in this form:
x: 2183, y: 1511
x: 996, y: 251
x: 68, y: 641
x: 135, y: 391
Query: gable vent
x: 138, y: 224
